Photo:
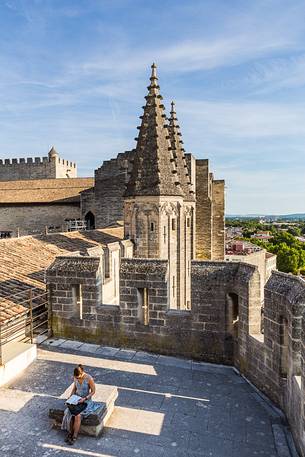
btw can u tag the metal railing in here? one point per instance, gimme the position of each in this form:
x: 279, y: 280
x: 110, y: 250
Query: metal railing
x: 24, y: 316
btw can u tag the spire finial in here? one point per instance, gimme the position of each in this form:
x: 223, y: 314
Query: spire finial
x: 154, y: 71
x: 173, y: 105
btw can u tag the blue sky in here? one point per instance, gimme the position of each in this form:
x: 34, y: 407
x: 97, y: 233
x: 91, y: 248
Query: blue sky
x: 74, y: 74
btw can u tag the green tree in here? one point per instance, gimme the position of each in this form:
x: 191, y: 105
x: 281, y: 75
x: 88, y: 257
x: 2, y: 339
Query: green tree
x: 295, y: 231
x: 287, y: 259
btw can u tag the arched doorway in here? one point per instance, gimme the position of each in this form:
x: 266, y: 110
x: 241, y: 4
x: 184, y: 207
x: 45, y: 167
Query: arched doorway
x: 90, y: 220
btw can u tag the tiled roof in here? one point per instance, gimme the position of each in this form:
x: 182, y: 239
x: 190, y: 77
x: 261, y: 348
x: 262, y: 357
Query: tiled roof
x: 43, y: 190
x: 23, y: 261
x: 71, y: 264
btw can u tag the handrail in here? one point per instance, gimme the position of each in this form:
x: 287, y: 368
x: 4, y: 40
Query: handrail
x: 21, y: 292
x: 33, y: 320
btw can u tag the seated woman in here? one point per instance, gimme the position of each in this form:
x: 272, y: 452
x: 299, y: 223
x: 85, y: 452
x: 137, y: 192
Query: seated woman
x: 84, y: 387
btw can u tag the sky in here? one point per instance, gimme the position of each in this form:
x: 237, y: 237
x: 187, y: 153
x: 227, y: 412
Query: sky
x: 74, y: 74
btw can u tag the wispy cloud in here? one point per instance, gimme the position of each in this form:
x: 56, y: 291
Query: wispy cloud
x: 281, y: 73
x: 244, y: 119
x: 74, y: 74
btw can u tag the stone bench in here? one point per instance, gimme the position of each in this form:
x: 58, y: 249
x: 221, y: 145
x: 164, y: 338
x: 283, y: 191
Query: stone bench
x: 93, y: 424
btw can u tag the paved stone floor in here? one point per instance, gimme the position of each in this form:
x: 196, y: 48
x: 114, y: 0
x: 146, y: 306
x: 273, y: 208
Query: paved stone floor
x: 166, y: 407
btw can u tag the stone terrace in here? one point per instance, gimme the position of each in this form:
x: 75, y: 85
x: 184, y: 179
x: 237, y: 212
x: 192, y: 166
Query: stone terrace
x: 166, y: 407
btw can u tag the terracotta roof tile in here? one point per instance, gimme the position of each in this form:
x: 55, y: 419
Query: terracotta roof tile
x: 23, y: 261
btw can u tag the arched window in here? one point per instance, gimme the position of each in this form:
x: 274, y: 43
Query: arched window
x: 90, y: 220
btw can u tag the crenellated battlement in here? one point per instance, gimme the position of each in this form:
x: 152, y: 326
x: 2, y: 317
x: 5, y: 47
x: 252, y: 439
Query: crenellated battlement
x: 51, y: 166
x: 35, y: 161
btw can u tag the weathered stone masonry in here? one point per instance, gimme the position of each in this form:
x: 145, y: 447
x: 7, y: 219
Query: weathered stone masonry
x: 38, y: 168
x: 165, y: 301
x: 274, y: 362
x: 106, y: 198
x: 210, y: 214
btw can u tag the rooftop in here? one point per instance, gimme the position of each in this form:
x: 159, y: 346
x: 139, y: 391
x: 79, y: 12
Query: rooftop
x: 63, y: 190
x: 23, y: 261
x: 167, y: 407
x: 240, y: 247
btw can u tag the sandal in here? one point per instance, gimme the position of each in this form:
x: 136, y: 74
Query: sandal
x: 72, y: 440
x: 68, y: 437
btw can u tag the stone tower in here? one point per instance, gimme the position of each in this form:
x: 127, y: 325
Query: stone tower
x: 158, y: 202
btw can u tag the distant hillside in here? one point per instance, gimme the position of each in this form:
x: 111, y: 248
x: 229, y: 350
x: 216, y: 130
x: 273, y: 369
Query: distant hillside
x: 287, y: 217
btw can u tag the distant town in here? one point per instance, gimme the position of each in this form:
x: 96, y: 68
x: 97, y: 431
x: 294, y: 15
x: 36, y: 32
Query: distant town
x: 281, y: 236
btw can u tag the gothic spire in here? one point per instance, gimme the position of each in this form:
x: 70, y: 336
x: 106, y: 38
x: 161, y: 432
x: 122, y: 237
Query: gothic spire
x: 178, y: 154
x: 154, y: 171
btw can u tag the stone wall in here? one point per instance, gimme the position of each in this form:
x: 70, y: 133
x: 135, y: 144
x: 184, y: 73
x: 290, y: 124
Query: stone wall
x: 215, y: 330
x: 210, y: 214
x: 201, y: 332
x: 34, y: 218
x: 74, y: 290
x: 87, y: 203
x: 37, y: 168
x: 274, y: 362
x: 223, y: 325
x: 110, y: 182
x: 218, y: 219
x: 95, y: 275
x: 259, y: 259
x: 105, y: 201
x: 203, y: 211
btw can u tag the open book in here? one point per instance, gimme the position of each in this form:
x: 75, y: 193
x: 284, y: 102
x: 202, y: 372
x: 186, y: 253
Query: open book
x: 73, y: 400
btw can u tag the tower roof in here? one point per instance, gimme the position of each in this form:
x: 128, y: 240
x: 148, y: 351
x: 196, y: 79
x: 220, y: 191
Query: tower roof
x: 178, y: 154
x: 154, y: 171
x: 53, y: 152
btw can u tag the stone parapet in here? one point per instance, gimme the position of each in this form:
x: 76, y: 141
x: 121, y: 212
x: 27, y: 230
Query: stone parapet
x: 17, y: 169
x: 222, y: 326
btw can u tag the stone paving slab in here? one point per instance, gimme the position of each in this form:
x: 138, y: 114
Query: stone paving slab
x: 53, y: 342
x: 146, y: 357
x: 174, y: 362
x: 70, y: 344
x: 107, y: 351
x: 177, y: 408
x: 90, y: 348
x: 125, y: 354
